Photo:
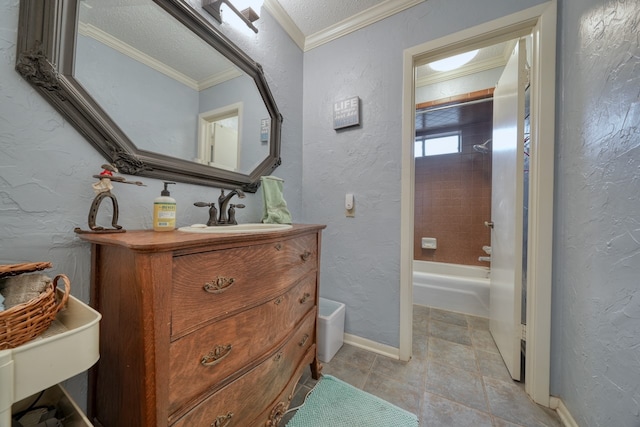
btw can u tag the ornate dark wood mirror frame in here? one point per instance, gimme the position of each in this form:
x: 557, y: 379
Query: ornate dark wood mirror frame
x: 45, y: 58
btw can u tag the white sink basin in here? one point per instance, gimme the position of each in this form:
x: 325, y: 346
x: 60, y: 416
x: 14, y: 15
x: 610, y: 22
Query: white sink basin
x: 240, y: 228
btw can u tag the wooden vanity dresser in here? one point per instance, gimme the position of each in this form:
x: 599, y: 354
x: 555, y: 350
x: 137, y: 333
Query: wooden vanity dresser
x: 202, y: 329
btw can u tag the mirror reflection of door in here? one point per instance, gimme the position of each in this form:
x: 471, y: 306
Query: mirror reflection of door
x: 219, y: 136
x: 223, y: 145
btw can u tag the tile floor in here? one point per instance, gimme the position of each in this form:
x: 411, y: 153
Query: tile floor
x: 455, y: 378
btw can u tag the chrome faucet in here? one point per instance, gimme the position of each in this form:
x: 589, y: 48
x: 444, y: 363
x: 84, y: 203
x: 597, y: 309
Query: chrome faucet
x: 227, y: 215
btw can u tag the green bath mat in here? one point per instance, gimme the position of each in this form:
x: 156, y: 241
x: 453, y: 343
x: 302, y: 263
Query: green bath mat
x: 334, y: 403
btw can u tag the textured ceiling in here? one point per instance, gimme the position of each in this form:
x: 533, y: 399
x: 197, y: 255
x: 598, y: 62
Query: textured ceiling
x: 143, y: 26
x: 140, y: 24
x: 488, y: 57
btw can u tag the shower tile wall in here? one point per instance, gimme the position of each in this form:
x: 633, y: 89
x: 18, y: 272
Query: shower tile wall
x: 453, y: 199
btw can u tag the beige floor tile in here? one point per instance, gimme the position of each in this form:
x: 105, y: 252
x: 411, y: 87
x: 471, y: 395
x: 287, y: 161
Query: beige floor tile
x: 492, y: 365
x: 449, y: 317
x: 438, y: 411
x: 398, y: 393
x: 476, y: 322
x: 483, y: 340
x: 454, y: 354
x: 456, y: 376
x: 450, y: 332
x: 355, y: 356
x: 347, y: 372
x: 509, y: 402
x: 456, y: 384
x: 413, y: 372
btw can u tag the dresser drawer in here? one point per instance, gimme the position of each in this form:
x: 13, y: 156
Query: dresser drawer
x: 244, y: 399
x: 217, y: 351
x: 210, y: 285
x: 271, y: 416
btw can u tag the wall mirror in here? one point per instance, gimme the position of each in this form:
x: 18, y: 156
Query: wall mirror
x: 154, y: 87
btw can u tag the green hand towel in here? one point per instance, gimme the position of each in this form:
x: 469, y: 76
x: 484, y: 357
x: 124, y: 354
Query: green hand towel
x: 275, y: 208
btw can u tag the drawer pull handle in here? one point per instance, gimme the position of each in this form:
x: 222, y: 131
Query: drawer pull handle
x: 305, y: 256
x: 278, y: 301
x: 222, y: 420
x: 305, y: 297
x: 216, y: 355
x: 277, y: 357
x: 219, y: 285
x: 303, y: 340
x: 278, y: 246
x: 277, y: 413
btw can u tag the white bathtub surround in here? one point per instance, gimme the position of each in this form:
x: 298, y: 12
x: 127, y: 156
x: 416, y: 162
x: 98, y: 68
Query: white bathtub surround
x: 453, y: 287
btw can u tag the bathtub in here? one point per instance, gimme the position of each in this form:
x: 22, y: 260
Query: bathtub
x: 454, y: 287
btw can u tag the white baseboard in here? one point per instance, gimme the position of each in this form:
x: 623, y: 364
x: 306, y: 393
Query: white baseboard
x: 375, y: 347
x: 564, y: 414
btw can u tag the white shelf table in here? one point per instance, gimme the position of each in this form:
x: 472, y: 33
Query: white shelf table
x: 51, y: 358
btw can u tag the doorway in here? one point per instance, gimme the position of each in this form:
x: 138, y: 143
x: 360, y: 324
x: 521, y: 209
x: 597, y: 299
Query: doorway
x: 539, y: 22
x: 475, y: 212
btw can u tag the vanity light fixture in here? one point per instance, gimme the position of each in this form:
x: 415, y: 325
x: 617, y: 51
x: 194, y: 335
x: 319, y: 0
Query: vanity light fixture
x: 248, y: 14
x: 453, y: 62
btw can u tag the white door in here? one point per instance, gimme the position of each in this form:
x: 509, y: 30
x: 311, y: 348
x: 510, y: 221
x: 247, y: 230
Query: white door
x: 225, y: 146
x: 507, y: 209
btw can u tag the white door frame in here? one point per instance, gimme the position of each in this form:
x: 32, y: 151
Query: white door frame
x: 540, y: 21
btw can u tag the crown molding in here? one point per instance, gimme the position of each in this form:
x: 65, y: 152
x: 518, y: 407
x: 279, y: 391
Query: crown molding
x: 215, y: 79
x: 107, y: 39
x: 282, y: 17
x: 342, y: 28
x: 358, y: 21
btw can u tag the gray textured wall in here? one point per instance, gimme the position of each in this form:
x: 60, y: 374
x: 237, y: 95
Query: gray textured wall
x: 596, y: 281
x: 361, y: 255
x: 156, y: 120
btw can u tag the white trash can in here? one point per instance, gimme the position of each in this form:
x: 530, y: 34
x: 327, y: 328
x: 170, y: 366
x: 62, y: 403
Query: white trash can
x: 330, y: 328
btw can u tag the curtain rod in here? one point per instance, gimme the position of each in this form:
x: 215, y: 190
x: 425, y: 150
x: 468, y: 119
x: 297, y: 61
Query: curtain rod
x: 458, y: 104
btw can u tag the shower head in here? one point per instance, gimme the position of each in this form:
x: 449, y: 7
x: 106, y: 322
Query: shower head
x: 482, y: 148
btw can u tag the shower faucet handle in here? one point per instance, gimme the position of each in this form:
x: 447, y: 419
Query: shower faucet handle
x: 488, y: 224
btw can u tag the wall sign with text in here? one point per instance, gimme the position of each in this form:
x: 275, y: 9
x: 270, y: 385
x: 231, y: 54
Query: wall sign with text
x: 346, y: 113
x: 265, y: 130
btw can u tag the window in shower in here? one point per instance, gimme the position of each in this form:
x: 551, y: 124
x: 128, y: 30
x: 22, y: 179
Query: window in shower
x: 433, y: 145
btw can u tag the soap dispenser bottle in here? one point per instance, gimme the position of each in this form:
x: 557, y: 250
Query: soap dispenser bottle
x: 164, y: 211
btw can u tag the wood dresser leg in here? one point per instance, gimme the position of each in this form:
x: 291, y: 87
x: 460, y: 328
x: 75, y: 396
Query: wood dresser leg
x: 316, y: 369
